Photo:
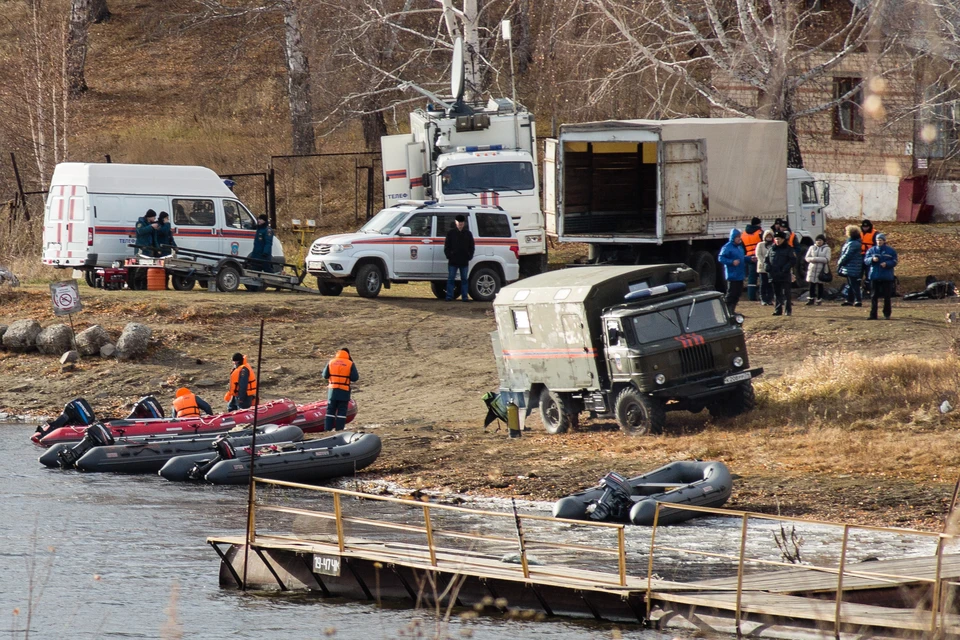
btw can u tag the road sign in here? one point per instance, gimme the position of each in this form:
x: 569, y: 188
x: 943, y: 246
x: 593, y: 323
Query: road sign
x: 66, y: 297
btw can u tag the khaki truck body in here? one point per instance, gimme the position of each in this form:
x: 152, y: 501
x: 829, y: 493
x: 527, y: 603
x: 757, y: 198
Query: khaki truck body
x: 619, y: 341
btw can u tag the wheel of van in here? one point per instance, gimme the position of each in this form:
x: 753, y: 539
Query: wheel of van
x: 183, y: 283
x: 228, y: 278
x: 705, y: 264
x: 638, y: 414
x: 328, y: 288
x: 369, y: 281
x: 484, y: 284
x: 556, y: 412
x: 90, y: 277
x: 739, y: 400
x: 439, y: 289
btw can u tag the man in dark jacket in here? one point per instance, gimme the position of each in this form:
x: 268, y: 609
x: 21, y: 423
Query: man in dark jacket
x: 340, y: 373
x: 458, y: 248
x: 146, y: 242
x: 263, y: 245
x: 780, y: 262
x: 880, y: 261
x: 164, y: 233
x: 752, y: 236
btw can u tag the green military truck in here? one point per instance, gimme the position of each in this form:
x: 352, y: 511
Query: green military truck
x: 628, y: 342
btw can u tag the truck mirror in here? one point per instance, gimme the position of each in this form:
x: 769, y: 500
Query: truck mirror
x: 613, y: 335
x: 404, y: 231
x: 826, y: 194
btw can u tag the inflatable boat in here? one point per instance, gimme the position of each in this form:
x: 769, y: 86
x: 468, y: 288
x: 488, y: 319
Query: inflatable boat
x: 308, y: 462
x: 618, y: 499
x: 310, y: 417
x: 98, y: 451
x: 272, y: 412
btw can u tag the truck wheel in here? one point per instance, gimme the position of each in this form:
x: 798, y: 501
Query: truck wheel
x: 439, y: 289
x: 484, y: 284
x: 741, y: 399
x: 705, y: 264
x: 228, y: 278
x: 638, y: 414
x: 90, y: 277
x: 328, y: 288
x: 369, y: 281
x: 182, y: 283
x: 556, y: 412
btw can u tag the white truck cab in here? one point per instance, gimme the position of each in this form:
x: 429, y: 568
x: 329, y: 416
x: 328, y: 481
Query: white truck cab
x: 405, y: 243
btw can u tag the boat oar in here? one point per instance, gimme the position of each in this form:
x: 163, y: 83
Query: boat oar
x: 523, y: 546
x: 253, y: 454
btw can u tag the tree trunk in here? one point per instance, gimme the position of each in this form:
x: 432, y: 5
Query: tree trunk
x: 522, y: 37
x: 374, y: 126
x: 75, y: 56
x: 298, y: 82
x: 99, y: 11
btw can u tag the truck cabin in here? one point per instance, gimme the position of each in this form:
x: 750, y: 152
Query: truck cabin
x: 671, y: 318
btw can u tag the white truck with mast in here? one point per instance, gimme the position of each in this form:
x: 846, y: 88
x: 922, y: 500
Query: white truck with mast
x: 473, y: 153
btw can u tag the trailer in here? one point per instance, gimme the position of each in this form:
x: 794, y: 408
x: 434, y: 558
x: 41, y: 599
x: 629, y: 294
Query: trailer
x: 221, y: 271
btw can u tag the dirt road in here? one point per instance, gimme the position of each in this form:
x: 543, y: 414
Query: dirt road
x: 425, y: 363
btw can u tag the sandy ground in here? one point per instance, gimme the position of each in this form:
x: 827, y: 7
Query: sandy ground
x: 425, y: 363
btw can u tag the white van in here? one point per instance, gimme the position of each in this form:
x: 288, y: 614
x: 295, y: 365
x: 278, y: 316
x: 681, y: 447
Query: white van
x: 92, y: 209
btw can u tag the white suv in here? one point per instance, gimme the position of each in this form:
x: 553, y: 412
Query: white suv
x: 405, y: 243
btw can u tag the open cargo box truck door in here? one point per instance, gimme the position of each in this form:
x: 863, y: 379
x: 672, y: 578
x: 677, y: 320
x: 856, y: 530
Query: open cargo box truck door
x: 685, y: 189
x: 402, y: 169
x: 550, y: 206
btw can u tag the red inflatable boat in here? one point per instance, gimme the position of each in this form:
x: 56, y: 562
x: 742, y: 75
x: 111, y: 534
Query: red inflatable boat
x: 273, y: 412
x: 310, y: 417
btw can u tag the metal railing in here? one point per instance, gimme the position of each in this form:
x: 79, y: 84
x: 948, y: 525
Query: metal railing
x: 431, y: 532
x: 937, y: 604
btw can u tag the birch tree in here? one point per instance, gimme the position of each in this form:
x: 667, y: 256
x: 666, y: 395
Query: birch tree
x: 773, y: 47
x: 75, y: 57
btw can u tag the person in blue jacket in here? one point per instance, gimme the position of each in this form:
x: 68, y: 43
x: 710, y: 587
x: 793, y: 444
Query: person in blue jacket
x: 733, y: 258
x: 850, y: 265
x: 165, y: 233
x: 263, y: 245
x: 880, y: 260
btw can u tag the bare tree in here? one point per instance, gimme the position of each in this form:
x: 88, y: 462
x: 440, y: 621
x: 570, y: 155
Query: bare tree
x: 75, y: 57
x: 772, y: 48
x: 298, y: 81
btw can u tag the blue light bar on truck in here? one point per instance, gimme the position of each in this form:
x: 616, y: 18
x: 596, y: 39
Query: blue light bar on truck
x: 670, y: 287
x: 481, y: 147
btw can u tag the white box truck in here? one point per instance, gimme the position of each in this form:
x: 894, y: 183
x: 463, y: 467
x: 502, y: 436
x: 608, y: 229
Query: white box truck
x: 665, y: 191
x: 478, y: 154
x: 92, y: 209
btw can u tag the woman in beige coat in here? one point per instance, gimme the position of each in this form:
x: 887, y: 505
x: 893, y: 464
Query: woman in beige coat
x: 766, y: 287
x: 818, y: 261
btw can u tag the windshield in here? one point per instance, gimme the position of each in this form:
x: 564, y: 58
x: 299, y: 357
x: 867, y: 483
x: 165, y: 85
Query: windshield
x: 488, y: 176
x: 660, y: 325
x: 384, y: 222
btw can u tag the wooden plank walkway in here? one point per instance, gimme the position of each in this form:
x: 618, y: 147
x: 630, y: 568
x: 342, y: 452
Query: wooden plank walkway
x: 877, y: 574
x: 823, y: 611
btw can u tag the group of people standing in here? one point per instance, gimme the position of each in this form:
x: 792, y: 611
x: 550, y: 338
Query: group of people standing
x: 770, y: 256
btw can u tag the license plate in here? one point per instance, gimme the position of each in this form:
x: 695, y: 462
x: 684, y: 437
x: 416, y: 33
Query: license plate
x: 326, y: 565
x: 737, y: 377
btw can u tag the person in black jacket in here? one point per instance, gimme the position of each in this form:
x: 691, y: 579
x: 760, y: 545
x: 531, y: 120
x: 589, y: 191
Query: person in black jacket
x: 165, y: 233
x: 458, y: 248
x: 780, y: 261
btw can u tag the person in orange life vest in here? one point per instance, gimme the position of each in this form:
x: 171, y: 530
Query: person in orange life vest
x: 868, y: 240
x: 339, y: 373
x: 752, y: 236
x: 188, y: 405
x: 243, y: 385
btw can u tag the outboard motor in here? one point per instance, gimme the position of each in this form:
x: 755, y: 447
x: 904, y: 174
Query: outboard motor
x: 615, y: 501
x: 146, y: 407
x: 225, y: 451
x: 77, y: 411
x: 96, y: 435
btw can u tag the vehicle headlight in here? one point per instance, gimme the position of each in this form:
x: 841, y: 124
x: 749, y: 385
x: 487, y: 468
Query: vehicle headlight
x: 738, y: 361
x: 738, y: 318
x: 337, y: 248
x: 660, y: 379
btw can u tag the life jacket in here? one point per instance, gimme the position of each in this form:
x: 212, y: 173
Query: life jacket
x: 185, y: 406
x: 867, y: 240
x: 751, y: 240
x: 791, y: 239
x: 339, y: 372
x: 235, y: 382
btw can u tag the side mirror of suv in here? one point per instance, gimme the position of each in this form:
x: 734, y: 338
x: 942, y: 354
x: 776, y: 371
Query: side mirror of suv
x: 613, y: 336
x: 404, y: 231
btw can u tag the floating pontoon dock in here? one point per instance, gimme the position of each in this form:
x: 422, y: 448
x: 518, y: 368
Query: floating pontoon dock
x: 431, y: 553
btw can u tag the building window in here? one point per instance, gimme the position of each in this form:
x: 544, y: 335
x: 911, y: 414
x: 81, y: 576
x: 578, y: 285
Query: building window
x: 848, y: 113
x: 939, y: 135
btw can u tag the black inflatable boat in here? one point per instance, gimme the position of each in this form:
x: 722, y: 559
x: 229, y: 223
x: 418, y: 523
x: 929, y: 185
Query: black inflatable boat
x: 618, y: 499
